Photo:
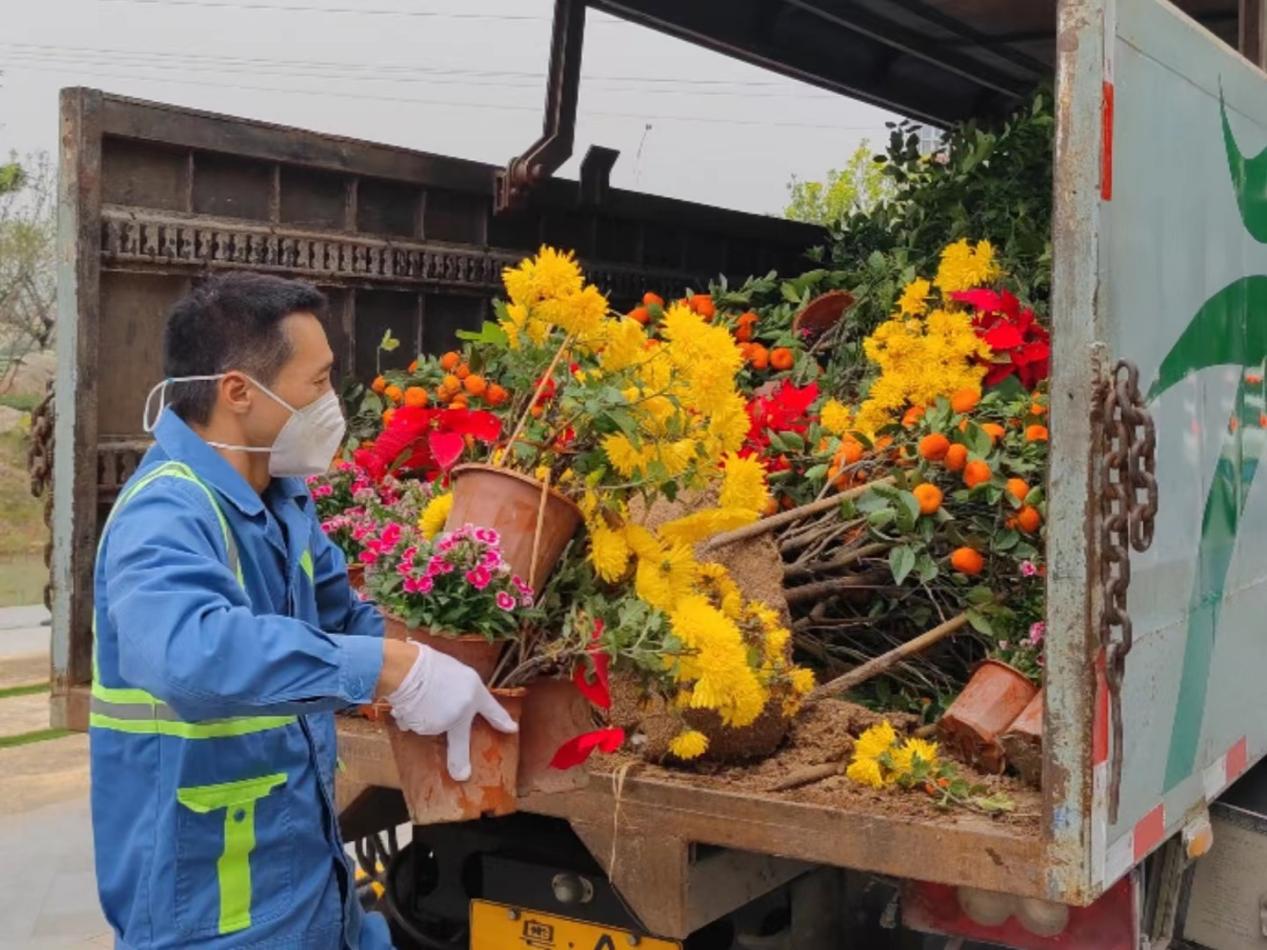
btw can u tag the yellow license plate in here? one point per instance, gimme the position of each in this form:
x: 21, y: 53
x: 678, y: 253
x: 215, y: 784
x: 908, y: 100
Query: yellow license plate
x: 498, y: 927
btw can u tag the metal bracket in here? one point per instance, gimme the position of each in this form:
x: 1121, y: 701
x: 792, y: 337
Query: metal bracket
x: 545, y: 156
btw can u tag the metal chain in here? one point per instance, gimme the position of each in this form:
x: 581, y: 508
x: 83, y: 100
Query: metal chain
x: 1127, y: 517
x: 39, y: 464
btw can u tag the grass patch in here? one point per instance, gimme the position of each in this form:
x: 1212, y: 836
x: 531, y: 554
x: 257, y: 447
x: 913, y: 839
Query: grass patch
x: 23, y: 402
x: 26, y: 738
x: 22, y: 530
x: 22, y: 580
x: 30, y: 690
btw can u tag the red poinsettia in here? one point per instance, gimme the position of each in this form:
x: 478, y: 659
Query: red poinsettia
x: 429, y: 441
x: 598, y: 690
x: 1021, y: 344
x: 786, y: 409
x: 575, y: 751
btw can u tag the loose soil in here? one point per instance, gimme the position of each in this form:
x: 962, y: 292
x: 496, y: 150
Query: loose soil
x: 826, y: 732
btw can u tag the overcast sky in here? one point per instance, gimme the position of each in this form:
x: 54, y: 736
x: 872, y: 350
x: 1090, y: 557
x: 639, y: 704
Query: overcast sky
x: 456, y: 77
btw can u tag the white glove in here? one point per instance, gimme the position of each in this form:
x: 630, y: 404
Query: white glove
x: 442, y: 695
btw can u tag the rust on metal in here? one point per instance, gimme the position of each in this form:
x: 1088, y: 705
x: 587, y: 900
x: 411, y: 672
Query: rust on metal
x: 545, y: 156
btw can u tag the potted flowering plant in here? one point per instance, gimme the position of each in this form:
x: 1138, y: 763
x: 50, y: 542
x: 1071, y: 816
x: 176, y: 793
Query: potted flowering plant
x: 351, y: 503
x: 455, y: 593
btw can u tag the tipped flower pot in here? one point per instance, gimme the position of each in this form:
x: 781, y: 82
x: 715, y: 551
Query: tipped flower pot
x: 984, y: 711
x: 1023, y: 742
x: 433, y: 797
x: 479, y: 653
x: 554, y: 711
x: 511, y: 504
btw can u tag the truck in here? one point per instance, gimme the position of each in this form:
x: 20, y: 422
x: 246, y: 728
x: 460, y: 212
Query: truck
x: 1153, y: 824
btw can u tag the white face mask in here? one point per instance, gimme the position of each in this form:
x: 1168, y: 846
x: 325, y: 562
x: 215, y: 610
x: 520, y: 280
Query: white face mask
x: 305, y: 446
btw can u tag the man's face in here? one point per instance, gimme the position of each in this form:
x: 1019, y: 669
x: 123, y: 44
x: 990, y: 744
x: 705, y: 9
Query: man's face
x: 303, y: 379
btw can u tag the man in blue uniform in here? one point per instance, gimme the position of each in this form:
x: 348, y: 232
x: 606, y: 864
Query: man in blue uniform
x: 226, y: 635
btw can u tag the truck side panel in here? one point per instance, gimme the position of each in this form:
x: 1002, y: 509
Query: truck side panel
x: 1183, y: 294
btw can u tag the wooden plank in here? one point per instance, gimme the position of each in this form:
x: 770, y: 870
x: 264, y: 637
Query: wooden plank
x: 969, y: 849
x: 75, y: 428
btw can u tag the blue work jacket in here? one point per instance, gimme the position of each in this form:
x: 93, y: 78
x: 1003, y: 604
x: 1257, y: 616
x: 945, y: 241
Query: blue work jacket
x: 225, y: 636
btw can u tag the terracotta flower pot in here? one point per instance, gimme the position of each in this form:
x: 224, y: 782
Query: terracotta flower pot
x: 356, y: 575
x: 988, y: 705
x: 508, y: 502
x: 479, y: 653
x: 554, y: 711
x: 823, y: 312
x: 1023, y: 742
x: 433, y: 797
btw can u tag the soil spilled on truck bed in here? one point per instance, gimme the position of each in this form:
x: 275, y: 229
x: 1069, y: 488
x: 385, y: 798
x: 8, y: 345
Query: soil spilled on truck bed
x: 825, y: 733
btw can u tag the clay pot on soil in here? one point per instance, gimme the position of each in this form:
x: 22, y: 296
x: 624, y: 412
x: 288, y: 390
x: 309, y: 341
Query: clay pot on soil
x: 1023, y: 742
x: 479, y: 653
x: 433, y: 797
x: 509, y: 503
x: 554, y: 711
x: 995, y: 695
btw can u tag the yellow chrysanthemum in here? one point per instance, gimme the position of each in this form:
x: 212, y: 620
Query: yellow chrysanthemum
x: 717, y: 580
x: 716, y: 662
x: 743, y: 484
x: 551, y: 273
x: 836, y: 417
x: 927, y: 751
x: 914, y: 299
x: 624, y: 456
x: 624, y: 344
x: 701, y: 525
x: 666, y: 576
x: 875, y: 741
x: 802, y: 680
x: 964, y: 267
x: 431, y: 521
x: 688, y: 745
x: 580, y: 314
x: 776, y: 643
x: 609, y: 552
x: 866, y: 772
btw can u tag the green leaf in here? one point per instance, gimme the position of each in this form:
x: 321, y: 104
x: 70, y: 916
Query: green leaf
x: 926, y: 567
x: 871, y: 502
x: 909, y: 506
x: 978, y: 441
x: 389, y: 342
x: 490, y: 333
x: 979, y: 596
x: 1006, y: 541
x: 980, y: 622
x: 882, y: 518
x: 901, y: 562
x: 815, y: 472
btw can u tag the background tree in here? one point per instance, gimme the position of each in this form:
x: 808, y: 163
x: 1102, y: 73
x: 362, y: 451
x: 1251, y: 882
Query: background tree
x: 28, y: 270
x: 857, y: 188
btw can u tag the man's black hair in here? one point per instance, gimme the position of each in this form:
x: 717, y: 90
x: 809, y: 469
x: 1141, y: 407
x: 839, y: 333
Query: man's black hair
x: 231, y: 322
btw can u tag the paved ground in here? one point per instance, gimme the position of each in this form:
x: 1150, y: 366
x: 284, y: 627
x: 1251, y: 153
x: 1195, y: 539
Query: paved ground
x: 48, y: 894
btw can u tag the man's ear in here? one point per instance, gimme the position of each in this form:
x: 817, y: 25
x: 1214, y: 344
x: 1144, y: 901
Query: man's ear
x: 235, y: 392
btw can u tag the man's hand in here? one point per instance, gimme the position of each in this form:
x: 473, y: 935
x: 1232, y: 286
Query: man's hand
x: 442, y: 695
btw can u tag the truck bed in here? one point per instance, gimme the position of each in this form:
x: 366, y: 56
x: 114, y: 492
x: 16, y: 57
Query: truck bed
x: 662, y: 834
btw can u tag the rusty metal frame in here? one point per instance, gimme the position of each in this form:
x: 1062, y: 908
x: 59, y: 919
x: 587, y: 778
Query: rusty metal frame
x: 1072, y: 485
x: 547, y: 155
